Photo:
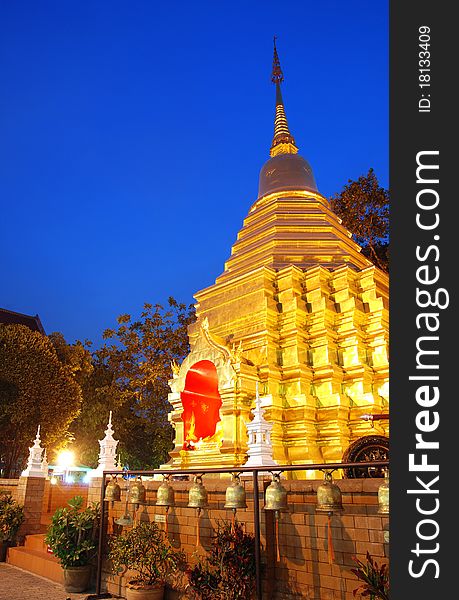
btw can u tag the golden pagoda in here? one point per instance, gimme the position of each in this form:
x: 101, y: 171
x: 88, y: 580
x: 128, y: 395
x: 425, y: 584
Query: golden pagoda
x: 299, y: 310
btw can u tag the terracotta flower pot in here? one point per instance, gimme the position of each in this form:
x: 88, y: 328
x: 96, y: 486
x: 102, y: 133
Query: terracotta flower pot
x: 77, y: 579
x: 151, y: 592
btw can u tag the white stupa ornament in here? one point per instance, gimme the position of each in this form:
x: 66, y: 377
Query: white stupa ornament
x: 34, y: 462
x: 260, y: 452
x: 45, y: 464
x: 107, y: 454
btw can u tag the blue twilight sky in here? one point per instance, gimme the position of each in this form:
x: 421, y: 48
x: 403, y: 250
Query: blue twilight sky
x: 132, y: 135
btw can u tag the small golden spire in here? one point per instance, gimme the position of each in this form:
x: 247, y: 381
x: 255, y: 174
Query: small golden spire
x: 283, y: 141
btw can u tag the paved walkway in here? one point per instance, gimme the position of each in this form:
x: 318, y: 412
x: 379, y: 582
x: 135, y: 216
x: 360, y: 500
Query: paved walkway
x: 16, y: 584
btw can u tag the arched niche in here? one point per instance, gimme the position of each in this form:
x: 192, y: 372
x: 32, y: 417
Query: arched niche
x: 201, y: 403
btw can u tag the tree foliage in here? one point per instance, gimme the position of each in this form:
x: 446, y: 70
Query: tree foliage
x: 35, y: 388
x: 100, y: 396
x: 130, y: 377
x: 76, y: 357
x: 363, y: 206
x: 69, y: 391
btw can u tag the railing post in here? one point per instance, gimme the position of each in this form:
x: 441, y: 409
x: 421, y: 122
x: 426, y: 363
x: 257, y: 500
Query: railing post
x: 101, y: 537
x: 256, y: 530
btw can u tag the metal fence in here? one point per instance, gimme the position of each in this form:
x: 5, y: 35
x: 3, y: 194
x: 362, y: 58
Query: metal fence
x: 253, y: 471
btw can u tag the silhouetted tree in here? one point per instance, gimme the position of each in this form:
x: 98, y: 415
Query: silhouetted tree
x: 36, y: 388
x: 130, y: 377
x: 363, y: 206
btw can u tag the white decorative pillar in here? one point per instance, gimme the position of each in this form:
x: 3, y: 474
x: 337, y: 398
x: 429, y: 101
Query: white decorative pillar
x: 107, y: 454
x: 260, y: 452
x: 31, y: 489
x: 34, y: 462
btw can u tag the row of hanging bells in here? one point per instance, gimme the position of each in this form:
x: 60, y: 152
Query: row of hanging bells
x: 329, y: 498
x: 137, y: 492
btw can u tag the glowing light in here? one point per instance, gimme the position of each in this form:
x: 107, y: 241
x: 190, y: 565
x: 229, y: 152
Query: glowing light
x: 66, y: 458
x: 53, y: 480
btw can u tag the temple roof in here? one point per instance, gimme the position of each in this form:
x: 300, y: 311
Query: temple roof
x: 9, y: 317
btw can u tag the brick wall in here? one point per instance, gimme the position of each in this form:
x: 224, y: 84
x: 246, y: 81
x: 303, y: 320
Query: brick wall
x: 40, y: 499
x: 9, y: 486
x: 29, y: 493
x: 58, y: 495
x: 303, y: 571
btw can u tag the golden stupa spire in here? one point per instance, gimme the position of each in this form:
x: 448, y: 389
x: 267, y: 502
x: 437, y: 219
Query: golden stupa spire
x: 283, y: 141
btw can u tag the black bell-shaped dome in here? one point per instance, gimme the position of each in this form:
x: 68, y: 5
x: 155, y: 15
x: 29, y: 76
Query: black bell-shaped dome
x: 286, y: 172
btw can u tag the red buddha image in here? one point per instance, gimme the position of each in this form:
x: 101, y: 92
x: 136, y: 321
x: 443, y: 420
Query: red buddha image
x: 201, y: 403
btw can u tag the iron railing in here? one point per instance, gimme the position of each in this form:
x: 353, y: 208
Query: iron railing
x: 256, y: 499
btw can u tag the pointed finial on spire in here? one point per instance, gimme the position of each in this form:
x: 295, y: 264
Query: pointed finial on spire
x: 37, y: 439
x: 277, y: 76
x: 257, y: 394
x: 109, y: 431
x: 283, y: 141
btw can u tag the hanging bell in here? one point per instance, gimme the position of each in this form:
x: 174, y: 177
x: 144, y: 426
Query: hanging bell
x: 328, y: 495
x: 137, y: 492
x: 197, y: 496
x: 383, y: 495
x: 275, y: 495
x: 112, y: 491
x: 165, y: 495
x: 126, y: 520
x: 235, y: 494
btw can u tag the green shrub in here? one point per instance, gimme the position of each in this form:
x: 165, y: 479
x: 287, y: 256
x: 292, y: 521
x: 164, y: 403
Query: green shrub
x: 375, y: 579
x: 228, y: 573
x: 11, y: 518
x: 145, y: 550
x: 73, y: 533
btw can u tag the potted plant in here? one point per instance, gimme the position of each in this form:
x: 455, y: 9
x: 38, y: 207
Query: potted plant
x: 228, y: 572
x: 145, y: 550
x: 72, y: 537
x: 375, y: 579
x: 11, y: 518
